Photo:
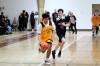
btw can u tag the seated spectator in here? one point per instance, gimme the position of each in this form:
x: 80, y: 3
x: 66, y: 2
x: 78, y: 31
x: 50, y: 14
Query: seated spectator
x: 8, y: 24
x: 14, y: 24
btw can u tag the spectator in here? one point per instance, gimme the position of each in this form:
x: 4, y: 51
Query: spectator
x: 2, y: 16
x: 36, y: 16
x: 8, y: 25
x: 14, y: 24
x: 72, y: 22
x: 32, y: 20
x: 3, y: 27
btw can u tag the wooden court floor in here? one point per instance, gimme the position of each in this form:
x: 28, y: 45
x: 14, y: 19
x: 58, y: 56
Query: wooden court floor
x: 21, y: 49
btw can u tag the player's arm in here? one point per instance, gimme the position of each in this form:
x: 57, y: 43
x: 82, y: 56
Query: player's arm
x: 39, y: 32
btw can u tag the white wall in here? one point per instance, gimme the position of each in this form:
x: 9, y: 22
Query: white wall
x: 1, y: 5
x: 14, y: 7
x: 81, y: 8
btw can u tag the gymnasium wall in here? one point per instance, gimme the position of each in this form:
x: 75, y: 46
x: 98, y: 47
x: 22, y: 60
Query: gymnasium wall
x: 81, y: 8
x: 14, y: 7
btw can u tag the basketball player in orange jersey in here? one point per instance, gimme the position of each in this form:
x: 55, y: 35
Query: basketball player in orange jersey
x: 45, y: 35
x: 95, y: 22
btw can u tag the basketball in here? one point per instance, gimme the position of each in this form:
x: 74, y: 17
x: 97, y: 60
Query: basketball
x: 43, y: 47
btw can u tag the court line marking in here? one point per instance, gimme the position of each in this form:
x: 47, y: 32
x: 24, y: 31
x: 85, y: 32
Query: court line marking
x: 67, y: 46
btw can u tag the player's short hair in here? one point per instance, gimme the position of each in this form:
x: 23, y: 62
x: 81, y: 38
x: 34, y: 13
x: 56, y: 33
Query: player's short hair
x: 45, y: 16
x: 60, y: 10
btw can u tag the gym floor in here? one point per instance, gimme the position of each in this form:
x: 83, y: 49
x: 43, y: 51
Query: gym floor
x: 21, y: 49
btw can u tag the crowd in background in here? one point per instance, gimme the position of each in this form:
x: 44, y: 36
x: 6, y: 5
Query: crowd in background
x: 20, y: 23
x: 23, y: 20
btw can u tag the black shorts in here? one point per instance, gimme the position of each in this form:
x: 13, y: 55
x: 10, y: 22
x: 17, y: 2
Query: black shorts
x: 60, y: 34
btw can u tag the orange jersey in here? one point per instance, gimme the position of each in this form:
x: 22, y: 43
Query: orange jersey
x: 95, y: 20
x: 46, y: 33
